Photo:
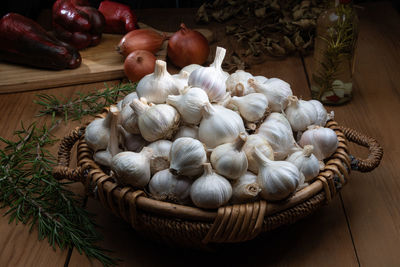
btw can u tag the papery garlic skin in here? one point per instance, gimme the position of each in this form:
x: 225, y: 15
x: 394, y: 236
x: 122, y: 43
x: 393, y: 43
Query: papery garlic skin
x: 237, y: 83
x: 129, y: 98
x: 156, y: 122
x: 129, y: 120
x: 97, y: 133
x: 161, y: 148
x: 229, y: 160
x: 246, y: 188
x: 300, y: 114
x: 257, y: 141
x: 187, y: 156
x: 277, y: 179
x: 165, y: 184
x: 276, y: 129
x: 211, y: 79
x: 132, y: 168
x: 210, y: 190
x: 261, y: 79
x: 324, y: 141
x: 155, y: 87
x: 189, y: 104
x: 252, y: 107
x: 306, y: 162
x: 322, y: 114
x: 276, y: 90
x: 181, y: 80
x: 219, y: 125
x: 190, y: 68
x: 187, y: 131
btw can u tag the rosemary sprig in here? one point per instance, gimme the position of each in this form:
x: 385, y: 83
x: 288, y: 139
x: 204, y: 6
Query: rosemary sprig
x: 34, y: 197
x: 84, y: 104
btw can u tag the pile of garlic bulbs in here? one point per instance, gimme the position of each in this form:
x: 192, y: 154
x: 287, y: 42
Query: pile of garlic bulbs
x: 210, y: 138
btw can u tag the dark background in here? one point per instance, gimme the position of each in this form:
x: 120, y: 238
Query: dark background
x: 32, y: 8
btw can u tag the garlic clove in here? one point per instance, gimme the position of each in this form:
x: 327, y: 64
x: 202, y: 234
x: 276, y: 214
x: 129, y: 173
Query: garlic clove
x: 187, y: 157
x: 219, y: 125
x: 210, y: 190
x: 229, y: 160
x: 278, y: 179
x: 155, y: 87
x: 257, y: 141
x: 252, y: 107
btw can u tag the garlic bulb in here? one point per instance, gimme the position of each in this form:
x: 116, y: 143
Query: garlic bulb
x: 131, y: 142
x: 306, y: 162
x: 104, y: 157
x: 229, y: 160
x: 219, y: 125
x: 190, y: 68
x: 276, y: 129
x: 237, y: 83
x: 324, y: 141
x: 187, y: 131
x: 129, y: 98
x: 129, y: 120
x: 252, y: 107
x: 164, y: 184
x: 97, y: 133
x: 211, y: 79
x: 210, y: 190
x: 322, y: 114
x: 259, y: 141
x: 300, y: 113
x: 261, y: 79
x: 132, y: 168
x: 155, y: 87
x: 189, y: 104
x: 181, y: 80
x: 278, y: 179
x: 157, y: 121
x: 160, y: 158
x: 245, y: 188
x: 276, y: 90
x: 187, y: 157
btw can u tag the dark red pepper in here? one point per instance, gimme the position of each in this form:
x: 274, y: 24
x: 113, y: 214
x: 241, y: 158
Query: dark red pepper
x: 23, y: 41
x: 120, y: 18
x: 76, y: 23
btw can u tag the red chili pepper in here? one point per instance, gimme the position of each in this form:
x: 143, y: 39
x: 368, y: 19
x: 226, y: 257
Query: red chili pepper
x: 23, y: 41
x: 76, y: 23
x: 120, y: 18
x: 333, y: 98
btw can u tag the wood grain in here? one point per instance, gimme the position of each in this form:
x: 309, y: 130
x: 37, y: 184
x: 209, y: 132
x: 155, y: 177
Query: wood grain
x: 372, y: 199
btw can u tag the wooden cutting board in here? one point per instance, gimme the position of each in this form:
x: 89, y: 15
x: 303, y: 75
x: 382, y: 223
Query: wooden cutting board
x: 99, y: 63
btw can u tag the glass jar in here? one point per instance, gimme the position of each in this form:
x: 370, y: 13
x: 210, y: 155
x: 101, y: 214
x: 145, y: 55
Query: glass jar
x: 332, y: 77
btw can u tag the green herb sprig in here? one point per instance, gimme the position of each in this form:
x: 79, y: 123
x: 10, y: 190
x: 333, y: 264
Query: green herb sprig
x: 84, y: 104
x: 29, y: 190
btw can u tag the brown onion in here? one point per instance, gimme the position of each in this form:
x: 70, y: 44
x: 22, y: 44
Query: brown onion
x: 187, y: 47
x: 138, y: 64
x: 142, y: 39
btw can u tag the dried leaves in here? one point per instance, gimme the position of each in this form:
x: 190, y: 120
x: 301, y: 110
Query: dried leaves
x: 270, y: 27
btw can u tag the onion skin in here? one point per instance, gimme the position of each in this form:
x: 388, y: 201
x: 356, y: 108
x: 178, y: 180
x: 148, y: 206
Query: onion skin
x: 187, y: 47
x: 142, y: 39
x: 138, y: 64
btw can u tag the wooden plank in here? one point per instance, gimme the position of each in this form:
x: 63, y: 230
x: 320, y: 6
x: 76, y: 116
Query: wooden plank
x: 310, y: 242
x: 99, y: 63
x: 371, y: 199
x: 18, y: 247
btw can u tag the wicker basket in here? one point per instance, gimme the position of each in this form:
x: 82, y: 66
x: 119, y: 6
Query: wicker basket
x: 195, y: 227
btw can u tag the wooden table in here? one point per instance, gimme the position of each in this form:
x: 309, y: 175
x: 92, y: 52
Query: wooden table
x: 361, y: 226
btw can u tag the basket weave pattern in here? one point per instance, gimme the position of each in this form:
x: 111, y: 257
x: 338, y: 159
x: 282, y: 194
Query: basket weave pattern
x: 191, y: 226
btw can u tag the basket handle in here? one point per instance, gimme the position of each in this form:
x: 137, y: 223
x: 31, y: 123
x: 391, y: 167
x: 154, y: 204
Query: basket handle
x: 375, y: 150
x: 62, y: 170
